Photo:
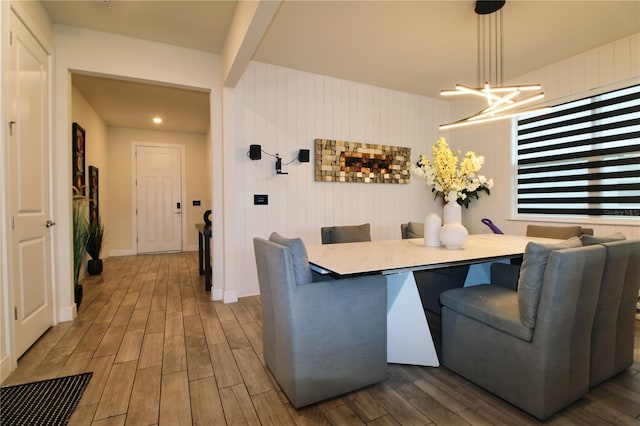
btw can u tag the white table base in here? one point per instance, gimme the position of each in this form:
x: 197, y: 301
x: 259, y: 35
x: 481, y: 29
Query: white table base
x: 409, y: 339
x: 408, y: 336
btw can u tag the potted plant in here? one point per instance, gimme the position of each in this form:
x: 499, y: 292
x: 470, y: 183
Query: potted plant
x: 95, y: 238
x: 80, y: 235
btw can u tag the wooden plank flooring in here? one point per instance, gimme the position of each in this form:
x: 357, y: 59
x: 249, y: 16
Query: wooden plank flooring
x: 162, y: 353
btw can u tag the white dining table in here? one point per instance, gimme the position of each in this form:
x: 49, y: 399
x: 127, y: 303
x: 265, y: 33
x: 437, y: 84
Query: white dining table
x: 409, y: 338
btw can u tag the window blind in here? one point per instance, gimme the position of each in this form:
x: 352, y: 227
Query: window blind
x: 581, y: 158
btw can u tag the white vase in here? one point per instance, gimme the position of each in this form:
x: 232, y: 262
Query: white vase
x: 453, y: 234
x: 432, y: 224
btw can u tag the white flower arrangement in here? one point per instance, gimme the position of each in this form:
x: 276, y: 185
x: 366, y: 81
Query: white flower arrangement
x: 445, y: 178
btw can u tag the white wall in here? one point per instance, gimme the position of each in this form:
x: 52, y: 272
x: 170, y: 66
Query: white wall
x: 285, y: 110
x: 586, y: 74
x: 96, y: 149
x: 120, y: 226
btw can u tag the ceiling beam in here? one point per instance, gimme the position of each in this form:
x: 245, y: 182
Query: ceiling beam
x: 249, y: 25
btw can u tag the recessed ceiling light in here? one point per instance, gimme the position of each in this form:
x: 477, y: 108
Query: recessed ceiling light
x: 157, y: 120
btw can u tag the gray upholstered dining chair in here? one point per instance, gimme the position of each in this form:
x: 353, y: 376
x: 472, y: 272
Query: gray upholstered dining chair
x: 345, y: 234
x: 543, y: 231
x: 559, y: 232
x: 324, y: 338
x: 433, y: 282
x: 530, y: 347
x: 412, y: 230
x: 614, y: 323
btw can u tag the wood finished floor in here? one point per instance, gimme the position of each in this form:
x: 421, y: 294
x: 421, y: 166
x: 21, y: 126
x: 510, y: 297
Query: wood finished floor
x: 162, y: 353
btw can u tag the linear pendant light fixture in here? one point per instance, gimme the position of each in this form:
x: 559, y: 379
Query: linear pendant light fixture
x: 502, y: 101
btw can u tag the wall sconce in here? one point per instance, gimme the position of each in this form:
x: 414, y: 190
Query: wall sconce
x: 303, y: 156
x: 255, y: 153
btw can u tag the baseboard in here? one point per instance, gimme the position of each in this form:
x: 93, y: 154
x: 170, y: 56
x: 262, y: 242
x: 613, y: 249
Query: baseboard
x: 131, y: 252
x: 249, y: 293
x: 67, y: 313
x: 230, y: 296
x: 5, y: 367
x: 122, y: 252
x: 216, y: 294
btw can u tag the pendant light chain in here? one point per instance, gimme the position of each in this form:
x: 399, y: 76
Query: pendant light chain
x: 480, y: 52
x: 490, y: 50
x: 500, y: 38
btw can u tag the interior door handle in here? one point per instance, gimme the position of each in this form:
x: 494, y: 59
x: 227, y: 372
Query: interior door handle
x: 49, y: 223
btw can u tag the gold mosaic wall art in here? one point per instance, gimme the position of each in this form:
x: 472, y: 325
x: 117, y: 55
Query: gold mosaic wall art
x: 342, y: 161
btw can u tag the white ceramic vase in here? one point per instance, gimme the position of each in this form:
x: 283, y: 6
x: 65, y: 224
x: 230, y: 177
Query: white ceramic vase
x: 453, y: 234
x: 432, y: 224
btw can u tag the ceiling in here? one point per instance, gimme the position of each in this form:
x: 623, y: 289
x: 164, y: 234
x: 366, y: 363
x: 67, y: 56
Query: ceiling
x: 124, y: 103
x: 413, y: 46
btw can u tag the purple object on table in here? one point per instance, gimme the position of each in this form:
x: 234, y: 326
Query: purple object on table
x: 491, y: 226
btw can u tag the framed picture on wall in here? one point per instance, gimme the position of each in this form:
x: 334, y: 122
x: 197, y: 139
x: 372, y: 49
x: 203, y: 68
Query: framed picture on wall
x: 94, y: 205
x: 78, y: 148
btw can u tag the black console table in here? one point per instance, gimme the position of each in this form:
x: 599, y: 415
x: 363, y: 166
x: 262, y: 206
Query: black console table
x: 204, y: 253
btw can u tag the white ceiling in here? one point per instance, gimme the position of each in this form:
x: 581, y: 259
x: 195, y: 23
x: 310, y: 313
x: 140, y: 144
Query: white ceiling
x: 414, y: 46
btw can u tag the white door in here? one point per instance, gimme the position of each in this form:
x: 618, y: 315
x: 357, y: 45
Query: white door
x: 159, y: 197
x: 29, y: 187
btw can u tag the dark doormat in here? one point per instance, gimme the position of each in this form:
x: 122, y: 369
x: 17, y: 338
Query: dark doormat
x: 48, y: 402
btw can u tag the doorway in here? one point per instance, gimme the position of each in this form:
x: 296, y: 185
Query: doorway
x: 159, y: 192
x: 127, y: 107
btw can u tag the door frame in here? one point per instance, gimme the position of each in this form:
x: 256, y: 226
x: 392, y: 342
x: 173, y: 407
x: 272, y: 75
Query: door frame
x: 134, y: 191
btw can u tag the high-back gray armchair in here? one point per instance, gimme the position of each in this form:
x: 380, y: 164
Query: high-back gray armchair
x: 530, y: 347
x: 321, y: 339
x: 614, y: 323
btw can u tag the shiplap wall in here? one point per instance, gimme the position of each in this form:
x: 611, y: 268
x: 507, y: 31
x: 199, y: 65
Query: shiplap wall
x: 592, y: 72
x: 284, y: 110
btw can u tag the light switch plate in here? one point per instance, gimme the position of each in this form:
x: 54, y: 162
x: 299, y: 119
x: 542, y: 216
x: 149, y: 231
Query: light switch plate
x: 260, y: 199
